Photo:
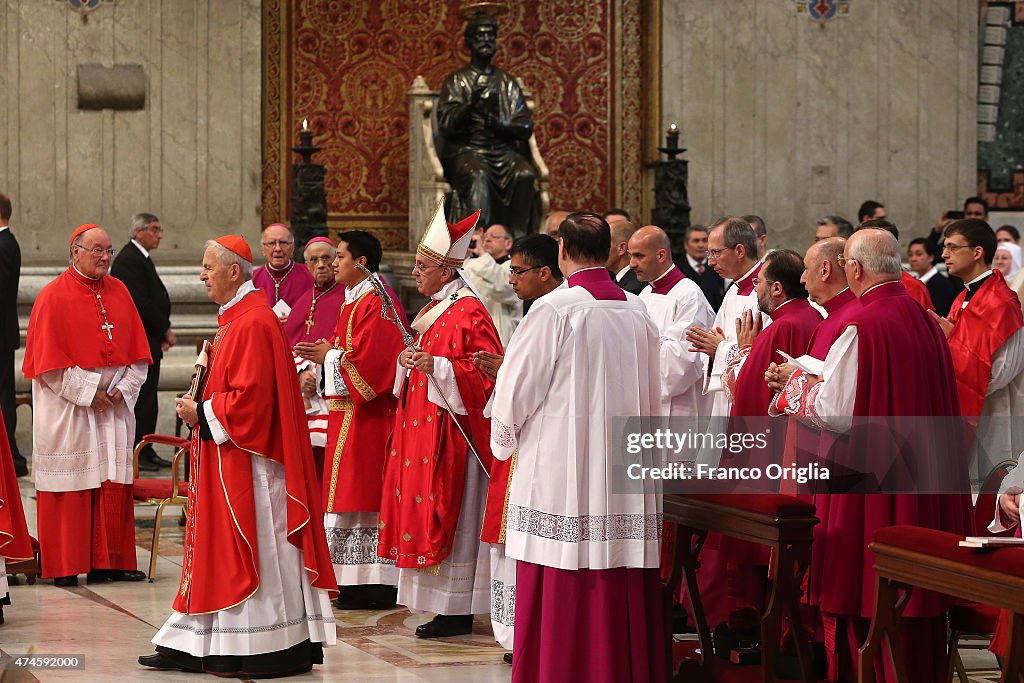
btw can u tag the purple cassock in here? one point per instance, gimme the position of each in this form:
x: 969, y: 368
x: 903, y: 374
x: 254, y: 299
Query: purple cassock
x: 287, y: 284
x: 615, y: 627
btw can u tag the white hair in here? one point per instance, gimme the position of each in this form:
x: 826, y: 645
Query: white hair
x: 228, y: 257
x: 877, y: 252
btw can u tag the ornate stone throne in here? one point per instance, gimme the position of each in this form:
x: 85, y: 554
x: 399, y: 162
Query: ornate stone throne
x: 427, y: 185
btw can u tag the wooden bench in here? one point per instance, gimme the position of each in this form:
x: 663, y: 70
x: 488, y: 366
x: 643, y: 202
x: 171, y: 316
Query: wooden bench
x: 908, y: 557
x: 785, y: 524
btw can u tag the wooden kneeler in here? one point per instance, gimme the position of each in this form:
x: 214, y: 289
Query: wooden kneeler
x: 908, y: 557
x: 785, y: 524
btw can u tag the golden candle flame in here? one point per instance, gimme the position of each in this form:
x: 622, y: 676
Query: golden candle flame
x: 305, y: 125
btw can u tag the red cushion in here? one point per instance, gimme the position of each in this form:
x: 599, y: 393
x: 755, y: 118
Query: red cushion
x: 157, y: 488
x: 775, y: 504
x: 947, y: 546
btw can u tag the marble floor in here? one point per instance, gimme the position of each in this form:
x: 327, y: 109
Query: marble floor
x: 111, y: 624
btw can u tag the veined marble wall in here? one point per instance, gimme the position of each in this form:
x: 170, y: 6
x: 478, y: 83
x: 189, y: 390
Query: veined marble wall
x: 191, y: 156
x: 793, y: 118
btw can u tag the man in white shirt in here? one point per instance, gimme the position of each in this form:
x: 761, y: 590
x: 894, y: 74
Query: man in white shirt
x: 732, y: 252
x: 675, y: 304
x: 488, y: 274
x: 593, y: 552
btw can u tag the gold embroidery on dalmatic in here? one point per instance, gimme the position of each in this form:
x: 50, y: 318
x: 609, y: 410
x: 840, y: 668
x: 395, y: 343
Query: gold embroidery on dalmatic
x: 346, y: 405
x: 361, y: 385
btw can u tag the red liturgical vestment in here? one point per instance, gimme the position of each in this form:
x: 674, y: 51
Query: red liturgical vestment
x: 427, y: 461
x: 359, y: 425
x: 255, y: 397
x: 979, y: 330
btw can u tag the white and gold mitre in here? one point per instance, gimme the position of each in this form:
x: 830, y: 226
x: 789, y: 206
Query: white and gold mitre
x: 446, y: 244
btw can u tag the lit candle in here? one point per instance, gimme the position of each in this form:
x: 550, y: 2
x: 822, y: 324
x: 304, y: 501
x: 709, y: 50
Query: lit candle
x: 672, y: 139
x: 305, y: 135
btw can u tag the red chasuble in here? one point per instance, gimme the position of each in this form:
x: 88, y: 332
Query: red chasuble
x: 792, y: 326
x: 917, y: 290
x: 427, y: 460
x: 291, y: 283
x: 15, y: 543
x: 992, y: 316
x: 256, y: 397
x: 359, y: 425
x: 329, y: 301
x: 896, y: 339
x: 67, y: 326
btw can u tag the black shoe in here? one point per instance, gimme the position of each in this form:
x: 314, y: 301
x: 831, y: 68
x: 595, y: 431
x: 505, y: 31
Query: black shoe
x: 147, y: 465
x: 507, y: 658
x: 372, y: 596
x: 158, y: 661
x: 65, y: 581
x: 20, y: 468
x: 103, y: 575
x: 446, y: 626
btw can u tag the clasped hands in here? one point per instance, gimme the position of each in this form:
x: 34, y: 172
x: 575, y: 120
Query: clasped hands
x: 187, y: 410
x: 1009, y: 507
x: 411, y: 359
x: 104, y: 401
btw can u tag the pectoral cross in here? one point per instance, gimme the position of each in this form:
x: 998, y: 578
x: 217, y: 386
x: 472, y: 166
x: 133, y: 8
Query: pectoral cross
x: 309, y: 321
x: 103, y: 311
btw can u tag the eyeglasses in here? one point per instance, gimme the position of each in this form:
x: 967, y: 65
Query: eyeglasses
x: 423, y: 268
x: 274, y: 244
x: 516, y: 272
x: 953, y: 247
x: 715, y: 253
x: 98, y: 252
x: 844, y: 260
x: 155, y: 229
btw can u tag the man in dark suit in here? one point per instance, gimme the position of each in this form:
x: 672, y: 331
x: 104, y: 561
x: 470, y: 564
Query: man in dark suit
x: 10, y: 335
x: 134, y: 267
x: 618, y: 256
x: 694, y: 264
x: 942, y: 291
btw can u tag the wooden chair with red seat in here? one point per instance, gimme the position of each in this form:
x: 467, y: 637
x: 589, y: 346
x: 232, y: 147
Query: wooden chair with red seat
x: 161, y: 492
x: 974, y: 620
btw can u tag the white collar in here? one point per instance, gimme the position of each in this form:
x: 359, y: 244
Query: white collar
x: 929, y: 275
x: 4, y: 227
x: 667, y: 271
x: 94, y: 279
x: 353, y: 293
x: 979, y: 278
x: 618, y: 276
x: 244, y: 289
x: 449, y: 289
x: 749, y: 272
x: 880, y: 284
x: 145, y: 252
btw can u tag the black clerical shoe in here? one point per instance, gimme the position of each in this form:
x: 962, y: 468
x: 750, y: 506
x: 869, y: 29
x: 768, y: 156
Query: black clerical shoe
x: 103, y: 575
x: 507, y: 658
x: 372, y: 596
x: 65, y: 581
x: 446, y: 626
x: 158, y: 661
x: 146, y: 465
